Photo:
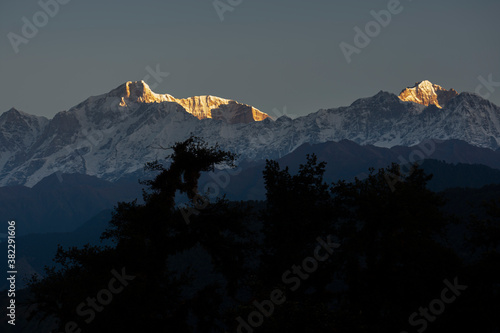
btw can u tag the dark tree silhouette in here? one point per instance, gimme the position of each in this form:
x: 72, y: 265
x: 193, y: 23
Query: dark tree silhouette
x: 203, y: 273
x: 298, y: 211
x: 158, y: 251
x: 393, y: 255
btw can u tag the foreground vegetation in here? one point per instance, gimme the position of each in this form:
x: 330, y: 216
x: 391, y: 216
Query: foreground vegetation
x: 374, y: 255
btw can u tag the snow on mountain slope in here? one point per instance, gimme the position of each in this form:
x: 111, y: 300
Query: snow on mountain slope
x: 384, y: 120
x: 201, y: 107
x: 426, y: 93
x: 18, y: 132
x: 114, y: 134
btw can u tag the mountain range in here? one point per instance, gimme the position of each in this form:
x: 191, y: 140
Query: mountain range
x: 453, y: 163
x: 112, y: 135
x: 56, y: 174
x: 60, y: 178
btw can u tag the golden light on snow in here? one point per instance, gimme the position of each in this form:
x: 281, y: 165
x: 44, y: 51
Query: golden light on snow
x: 427, y: 93
x: 202, y: 107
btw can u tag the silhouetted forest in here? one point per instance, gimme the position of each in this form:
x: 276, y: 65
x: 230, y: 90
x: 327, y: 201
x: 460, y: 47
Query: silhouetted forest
x: 379, y: 254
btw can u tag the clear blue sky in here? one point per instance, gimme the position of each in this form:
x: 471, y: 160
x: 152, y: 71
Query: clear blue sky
x: 267, y: 53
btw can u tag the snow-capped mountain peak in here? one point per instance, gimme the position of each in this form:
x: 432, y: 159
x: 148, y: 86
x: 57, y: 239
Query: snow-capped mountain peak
x: 202, y: 107
x: 99, y: 137
x: 139, y: 91
x: 426, y: 93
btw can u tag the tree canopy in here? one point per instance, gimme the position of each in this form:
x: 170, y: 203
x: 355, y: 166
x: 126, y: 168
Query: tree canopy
x: 371, y: 255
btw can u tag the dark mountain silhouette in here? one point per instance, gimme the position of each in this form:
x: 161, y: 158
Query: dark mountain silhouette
x: 347, y: 159
x: 63, y: 202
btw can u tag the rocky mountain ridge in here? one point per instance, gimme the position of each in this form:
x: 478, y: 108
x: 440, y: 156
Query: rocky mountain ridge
x: 113, y: 135
x: 202, y: 107
x: 427, y: 93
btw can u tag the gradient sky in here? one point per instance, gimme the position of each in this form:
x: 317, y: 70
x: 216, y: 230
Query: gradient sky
x: 272, y: 54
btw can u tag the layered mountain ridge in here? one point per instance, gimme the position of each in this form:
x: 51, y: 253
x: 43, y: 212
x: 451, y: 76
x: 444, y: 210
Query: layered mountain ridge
x: 114, y: 134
